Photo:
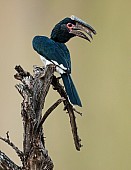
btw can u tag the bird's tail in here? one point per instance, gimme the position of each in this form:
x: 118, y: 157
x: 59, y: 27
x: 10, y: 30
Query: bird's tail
x: 71, y: 90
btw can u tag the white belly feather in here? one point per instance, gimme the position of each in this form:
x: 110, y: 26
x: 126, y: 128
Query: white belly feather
x: 59, y: 67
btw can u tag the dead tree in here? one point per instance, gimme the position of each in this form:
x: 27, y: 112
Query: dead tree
x: 34, y: 90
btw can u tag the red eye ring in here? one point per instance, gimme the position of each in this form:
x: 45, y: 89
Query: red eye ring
x: 69, y: 25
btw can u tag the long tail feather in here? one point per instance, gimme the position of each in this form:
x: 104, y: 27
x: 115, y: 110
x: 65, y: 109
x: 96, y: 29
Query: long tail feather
x: 71, y: 90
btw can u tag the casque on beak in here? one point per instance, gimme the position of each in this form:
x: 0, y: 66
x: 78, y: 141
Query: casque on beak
x: 82, y: 26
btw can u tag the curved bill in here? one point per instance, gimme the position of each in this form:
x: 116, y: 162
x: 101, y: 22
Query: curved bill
x: 82, y: 26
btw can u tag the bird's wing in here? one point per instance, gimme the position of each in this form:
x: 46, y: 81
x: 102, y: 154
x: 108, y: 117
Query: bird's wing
x: 52, y: 51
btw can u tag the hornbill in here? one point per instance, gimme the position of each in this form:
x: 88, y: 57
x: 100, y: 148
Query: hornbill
x: 53, y: 50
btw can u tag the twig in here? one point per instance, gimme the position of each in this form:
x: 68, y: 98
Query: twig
x: 18, y: 152
x: 77, y: 111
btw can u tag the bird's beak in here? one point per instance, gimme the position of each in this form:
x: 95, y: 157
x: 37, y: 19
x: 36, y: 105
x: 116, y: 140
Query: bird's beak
x: 82, y: 26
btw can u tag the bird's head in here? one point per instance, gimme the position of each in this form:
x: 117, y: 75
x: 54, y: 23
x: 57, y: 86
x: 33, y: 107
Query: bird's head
x: 71, y: 27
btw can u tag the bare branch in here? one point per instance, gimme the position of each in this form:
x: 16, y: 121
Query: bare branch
x: 18, y: 152
x: 34, y: 90
x: 7, y: 164
x: 47, y: 113
x: 70, y: 109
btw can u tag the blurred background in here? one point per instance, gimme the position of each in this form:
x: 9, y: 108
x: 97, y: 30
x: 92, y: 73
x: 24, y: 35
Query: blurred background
x: 101, y: 71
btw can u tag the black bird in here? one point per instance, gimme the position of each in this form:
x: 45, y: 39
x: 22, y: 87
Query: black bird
x: 53, y: 50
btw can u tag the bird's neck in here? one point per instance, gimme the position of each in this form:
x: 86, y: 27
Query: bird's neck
x: 60, y: 36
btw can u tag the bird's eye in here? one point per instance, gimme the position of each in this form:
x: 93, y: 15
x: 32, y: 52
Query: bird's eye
x: 69, y: 25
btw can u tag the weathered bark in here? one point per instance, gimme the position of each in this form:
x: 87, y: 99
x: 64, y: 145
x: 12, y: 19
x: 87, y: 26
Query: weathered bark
x: 6, y: 163
x: 34, y: 90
